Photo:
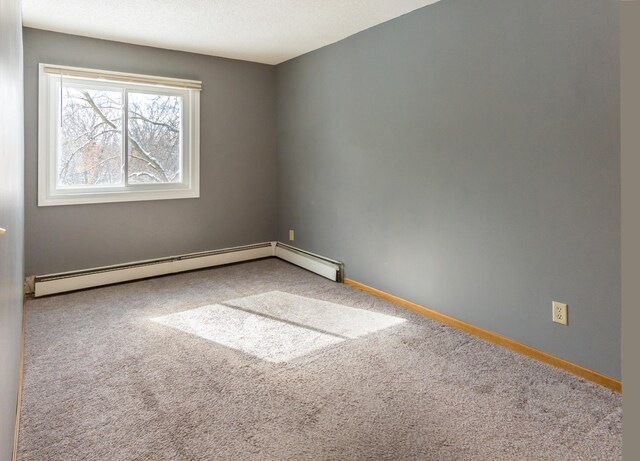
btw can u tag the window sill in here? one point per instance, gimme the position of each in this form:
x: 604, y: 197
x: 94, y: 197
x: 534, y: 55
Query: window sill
x: 115, y: 197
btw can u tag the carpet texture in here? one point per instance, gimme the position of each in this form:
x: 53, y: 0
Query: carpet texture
x: 108, y: 376
x: 277, y: 326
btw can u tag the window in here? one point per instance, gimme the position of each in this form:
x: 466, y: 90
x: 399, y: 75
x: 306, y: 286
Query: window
x: 111, y: 137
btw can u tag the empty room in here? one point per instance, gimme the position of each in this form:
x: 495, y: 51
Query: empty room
x: 311, y: 230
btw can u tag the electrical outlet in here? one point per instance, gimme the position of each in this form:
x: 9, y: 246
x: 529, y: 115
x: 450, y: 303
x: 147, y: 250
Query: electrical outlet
x: 291, y: 235
x: 560, y: 313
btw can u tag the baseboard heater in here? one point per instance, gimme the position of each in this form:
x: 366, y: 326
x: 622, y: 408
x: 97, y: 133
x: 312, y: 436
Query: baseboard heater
x: 43, y: 285
x: 329, y: 268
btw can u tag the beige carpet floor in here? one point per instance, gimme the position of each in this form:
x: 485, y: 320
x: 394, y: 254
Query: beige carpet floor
x: 266, y: 361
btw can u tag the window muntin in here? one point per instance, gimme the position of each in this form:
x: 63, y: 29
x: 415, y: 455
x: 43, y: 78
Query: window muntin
x: 83, y: 122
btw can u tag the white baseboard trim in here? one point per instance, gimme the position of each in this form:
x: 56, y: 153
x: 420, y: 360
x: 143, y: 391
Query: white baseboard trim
x: 44, y: 285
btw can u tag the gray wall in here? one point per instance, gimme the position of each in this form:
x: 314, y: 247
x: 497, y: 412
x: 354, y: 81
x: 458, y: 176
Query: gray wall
x: 11, y: 218
x: 630, y: 167
x: 237, y: 163
x: 466, y: 157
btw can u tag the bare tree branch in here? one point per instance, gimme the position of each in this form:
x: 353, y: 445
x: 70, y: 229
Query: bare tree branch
x: 87, y: 133
x: 139, y: 116
x: 97, y: 110
x: 150, y: 160
x: 144, y: 173
x: 63, y: 171
x: 102, y: 162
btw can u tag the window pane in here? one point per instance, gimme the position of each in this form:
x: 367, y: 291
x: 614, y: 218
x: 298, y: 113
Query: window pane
x: 154, y: 138
x: 90, y: 138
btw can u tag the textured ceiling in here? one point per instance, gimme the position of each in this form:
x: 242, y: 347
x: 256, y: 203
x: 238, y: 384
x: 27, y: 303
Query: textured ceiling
x: 268, y: 31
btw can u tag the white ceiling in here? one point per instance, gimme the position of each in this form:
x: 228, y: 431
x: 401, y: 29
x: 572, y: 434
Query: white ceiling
x: 267, y: 31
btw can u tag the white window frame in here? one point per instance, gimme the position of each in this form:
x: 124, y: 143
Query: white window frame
x: 49, y: 194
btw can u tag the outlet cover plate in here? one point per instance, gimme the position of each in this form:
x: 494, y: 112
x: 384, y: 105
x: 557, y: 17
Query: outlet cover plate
x: 560, y: 311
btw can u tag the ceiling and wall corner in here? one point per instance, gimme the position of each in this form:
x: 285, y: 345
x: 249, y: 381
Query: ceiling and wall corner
x: 265, y: 31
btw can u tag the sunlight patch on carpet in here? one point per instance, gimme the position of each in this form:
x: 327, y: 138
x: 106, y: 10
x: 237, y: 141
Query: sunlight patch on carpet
x: 277, y: 326
x: 329, y: 317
